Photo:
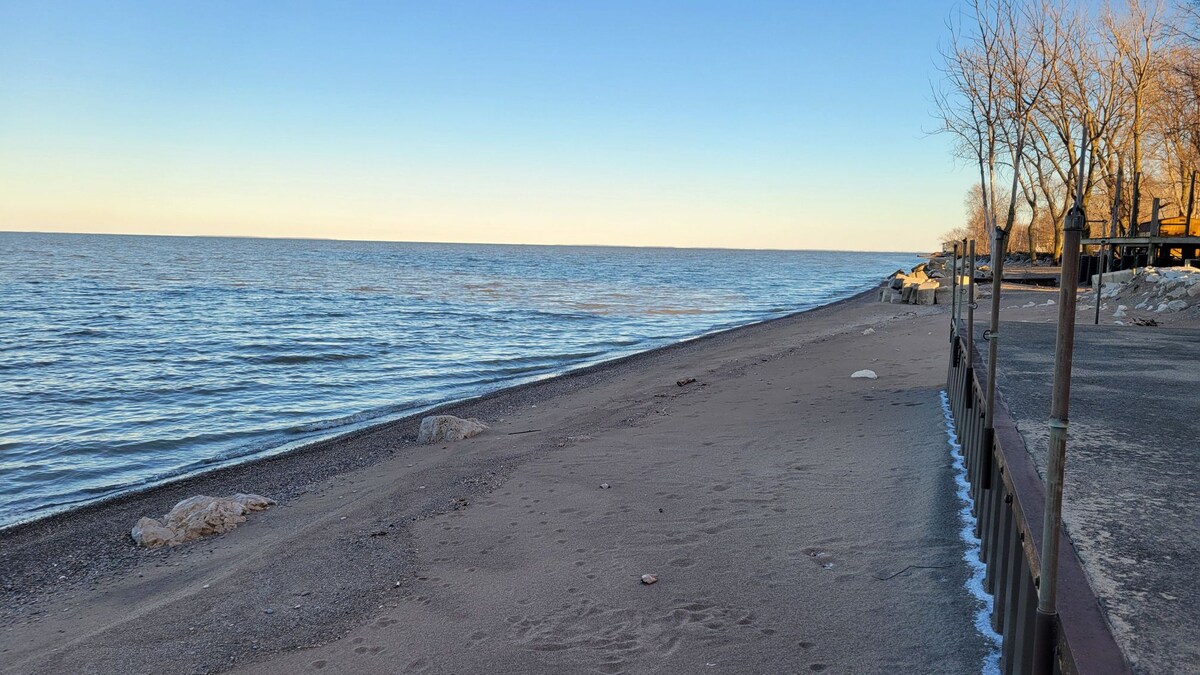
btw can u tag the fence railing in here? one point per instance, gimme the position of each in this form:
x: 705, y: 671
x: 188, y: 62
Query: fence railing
x: 1008, y: 498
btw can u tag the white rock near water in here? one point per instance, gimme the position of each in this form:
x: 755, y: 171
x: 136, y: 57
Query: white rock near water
x: 197, y: 517
x: 439, y: 428
x: 864, y: 375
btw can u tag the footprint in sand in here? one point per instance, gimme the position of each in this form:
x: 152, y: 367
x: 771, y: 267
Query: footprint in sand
x: 368, y: 649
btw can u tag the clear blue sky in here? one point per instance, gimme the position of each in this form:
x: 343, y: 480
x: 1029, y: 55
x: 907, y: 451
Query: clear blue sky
x: 765, y: 124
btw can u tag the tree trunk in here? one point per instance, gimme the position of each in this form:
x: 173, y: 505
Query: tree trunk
x: 1032, y: 246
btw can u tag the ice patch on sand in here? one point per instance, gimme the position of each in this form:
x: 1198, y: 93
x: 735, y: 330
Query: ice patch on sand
x: 974, y: 584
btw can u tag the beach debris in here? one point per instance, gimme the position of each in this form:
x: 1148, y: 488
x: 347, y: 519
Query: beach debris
x: 197, y: 517
x: 864, y: 375
x: 440, y: 428
x: 604, y: 486
x: 1138, y: 321
x: 868, y: 331
x: 685, y: 381
x: 648, y: 579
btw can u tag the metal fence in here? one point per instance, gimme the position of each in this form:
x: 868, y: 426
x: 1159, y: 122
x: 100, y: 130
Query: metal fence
x: 1008, y: 498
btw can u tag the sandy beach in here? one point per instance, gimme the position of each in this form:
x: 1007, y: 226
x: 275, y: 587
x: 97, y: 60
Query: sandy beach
x: 798, y: 520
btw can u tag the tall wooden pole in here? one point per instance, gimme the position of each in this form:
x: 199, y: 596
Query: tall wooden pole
x: 954, y: 294
x: 1135, y: 204
x: 999, y: 241
x: 971, y: 305
x: 1045, y: 629
x: 1187, y: 223
x: 1104, y: 244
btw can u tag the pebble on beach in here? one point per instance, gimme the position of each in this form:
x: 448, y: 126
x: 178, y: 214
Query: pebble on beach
x: 864, y: 374
x: 649, y: 579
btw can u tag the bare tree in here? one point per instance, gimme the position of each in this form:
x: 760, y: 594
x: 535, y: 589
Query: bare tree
x: 1026, y: 81
x: 999, y: 62
x: 969, y: 102
x: 1135, y: 38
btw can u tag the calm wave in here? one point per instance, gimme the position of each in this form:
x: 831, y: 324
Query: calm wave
x: 127, y: 360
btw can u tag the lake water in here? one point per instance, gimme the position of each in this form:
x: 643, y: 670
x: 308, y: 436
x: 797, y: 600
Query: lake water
x: 129, y: 360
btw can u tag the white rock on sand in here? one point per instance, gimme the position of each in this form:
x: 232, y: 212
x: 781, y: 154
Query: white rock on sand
x: 439, y: 428
x: 864, y: 374
x: 196, y: 517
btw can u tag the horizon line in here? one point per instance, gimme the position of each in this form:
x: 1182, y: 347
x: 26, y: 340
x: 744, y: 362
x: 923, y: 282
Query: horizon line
x: 459, y: 243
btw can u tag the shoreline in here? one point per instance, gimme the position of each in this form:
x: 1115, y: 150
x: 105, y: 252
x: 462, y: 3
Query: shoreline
x: 371, y: 425
x: 777, y: 498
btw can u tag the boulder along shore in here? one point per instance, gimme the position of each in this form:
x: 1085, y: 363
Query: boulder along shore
x: 793, y: 518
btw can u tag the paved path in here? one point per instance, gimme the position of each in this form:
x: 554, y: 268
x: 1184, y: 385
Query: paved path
x: 1131, y: 499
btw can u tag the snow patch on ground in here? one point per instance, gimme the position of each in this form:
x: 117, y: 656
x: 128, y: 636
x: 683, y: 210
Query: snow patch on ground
x: 974, y: 584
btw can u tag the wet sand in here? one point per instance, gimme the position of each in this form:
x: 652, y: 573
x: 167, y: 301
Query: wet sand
x: 798, y: 520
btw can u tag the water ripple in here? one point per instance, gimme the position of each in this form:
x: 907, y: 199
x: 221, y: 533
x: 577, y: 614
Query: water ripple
x: 128, y: 360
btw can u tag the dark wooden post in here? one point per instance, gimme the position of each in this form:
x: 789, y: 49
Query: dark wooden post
x: 1187, y: 223
x: 1135, y: 204
x: 954, y: 294
x: 1104, y: 243
x: 971, y: 306
x: 1155, y: 224
x: 1045, y: 628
